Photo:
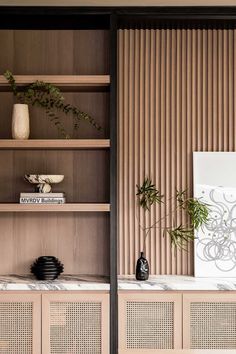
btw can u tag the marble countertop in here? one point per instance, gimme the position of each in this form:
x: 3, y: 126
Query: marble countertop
x: 63, y: 283
x: 155, y: 283
x: 177, y: 283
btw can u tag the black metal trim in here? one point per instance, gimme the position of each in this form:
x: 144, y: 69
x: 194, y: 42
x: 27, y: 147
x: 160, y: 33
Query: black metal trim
x: 47, y: 17
x: 216, y: 12
x: 120, y: 10
x: 113, y: 188
x: 178, y: 11
x: 72, y: 17
x: 200, y: 12
x: 177, y: 17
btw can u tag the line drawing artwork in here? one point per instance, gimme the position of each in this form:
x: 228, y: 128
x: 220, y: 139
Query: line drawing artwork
x: 215, y: 242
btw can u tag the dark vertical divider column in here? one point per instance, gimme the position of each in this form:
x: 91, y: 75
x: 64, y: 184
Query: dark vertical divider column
x: 113, y: 187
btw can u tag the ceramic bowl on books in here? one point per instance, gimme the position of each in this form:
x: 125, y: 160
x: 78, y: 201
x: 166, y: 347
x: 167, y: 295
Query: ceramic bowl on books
x: 43, y: 182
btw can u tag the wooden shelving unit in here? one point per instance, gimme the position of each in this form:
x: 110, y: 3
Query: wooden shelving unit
x: 67, y: 207
x: 55, y: 144
x: 80, y: 232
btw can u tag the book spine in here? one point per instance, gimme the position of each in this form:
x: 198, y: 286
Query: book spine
x: 42, y: 200
x: 42, y: 195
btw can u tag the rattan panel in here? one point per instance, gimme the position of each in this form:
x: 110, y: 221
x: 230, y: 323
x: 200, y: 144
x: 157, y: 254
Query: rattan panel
x: 213, y: 325
x: 75, y: 328
x: 150, y: 325
x: 16, y: 327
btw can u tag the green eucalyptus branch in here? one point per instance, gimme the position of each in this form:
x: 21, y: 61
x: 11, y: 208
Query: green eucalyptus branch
x: 180, y: 235
x: 49, y: 97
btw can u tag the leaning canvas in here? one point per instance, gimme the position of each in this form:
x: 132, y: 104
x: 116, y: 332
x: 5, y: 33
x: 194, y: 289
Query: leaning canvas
x: 215, y: 243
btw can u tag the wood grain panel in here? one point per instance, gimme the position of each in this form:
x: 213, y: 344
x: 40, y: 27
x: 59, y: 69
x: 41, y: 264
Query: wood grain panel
x: 80, y: 241
x: 45, y: 52
x: 176, y: 96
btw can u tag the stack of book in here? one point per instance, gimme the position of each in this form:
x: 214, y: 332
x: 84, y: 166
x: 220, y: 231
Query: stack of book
x: 42, y: 198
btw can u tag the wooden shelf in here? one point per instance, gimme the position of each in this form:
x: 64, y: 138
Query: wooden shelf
x: 34, y: 144
x: 61, y: 80
x: 68, y: 207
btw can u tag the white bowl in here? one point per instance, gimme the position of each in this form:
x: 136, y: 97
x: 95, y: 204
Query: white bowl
x: 40, y: 179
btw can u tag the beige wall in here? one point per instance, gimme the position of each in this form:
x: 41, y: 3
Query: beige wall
x: 118, y: 2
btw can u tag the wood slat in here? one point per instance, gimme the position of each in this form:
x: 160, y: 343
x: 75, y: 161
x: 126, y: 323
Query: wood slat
x: 176, y: 96
x: 67, y: 207
x: 55, y: 144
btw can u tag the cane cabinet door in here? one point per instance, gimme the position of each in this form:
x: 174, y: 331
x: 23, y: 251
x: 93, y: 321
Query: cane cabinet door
x: 75, y: 323
x: 149, y: 322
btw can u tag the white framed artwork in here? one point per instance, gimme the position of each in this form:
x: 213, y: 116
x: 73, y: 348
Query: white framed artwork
x: 215, y: 242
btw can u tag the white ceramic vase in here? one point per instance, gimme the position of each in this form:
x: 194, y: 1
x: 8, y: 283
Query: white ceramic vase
x: 20, y: 121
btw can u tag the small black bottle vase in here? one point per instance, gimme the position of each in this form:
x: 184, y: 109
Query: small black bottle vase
x: 142, y: 268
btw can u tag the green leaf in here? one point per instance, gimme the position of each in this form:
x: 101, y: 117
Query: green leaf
x: 148, y: 194
x: 198, y: 212
x: 180, y: 236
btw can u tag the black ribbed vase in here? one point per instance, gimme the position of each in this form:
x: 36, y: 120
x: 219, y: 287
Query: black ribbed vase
x: 47, y: 268
x: 142, y: 268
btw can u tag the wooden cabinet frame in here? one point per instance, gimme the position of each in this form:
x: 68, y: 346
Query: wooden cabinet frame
x: 101, y: 297
x: 35, y: 299
x: 149, y: 297
x: 41, y: 313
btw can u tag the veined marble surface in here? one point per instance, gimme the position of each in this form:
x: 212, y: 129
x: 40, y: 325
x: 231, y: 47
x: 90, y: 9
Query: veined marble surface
x: 177, y: 282
x: 64, y: 282
x: 74, y: 282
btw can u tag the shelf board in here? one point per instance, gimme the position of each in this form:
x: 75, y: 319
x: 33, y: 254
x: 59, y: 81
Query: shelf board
x: 67, y: 207
x: 55, y: 144
x: 60, y: 80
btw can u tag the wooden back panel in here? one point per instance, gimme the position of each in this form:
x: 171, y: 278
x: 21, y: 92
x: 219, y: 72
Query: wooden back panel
x: 80, y: 240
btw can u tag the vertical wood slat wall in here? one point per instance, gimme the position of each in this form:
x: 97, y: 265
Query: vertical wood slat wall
x: 177, y: 94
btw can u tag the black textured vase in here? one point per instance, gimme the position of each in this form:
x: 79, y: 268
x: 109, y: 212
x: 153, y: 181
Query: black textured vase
x: 142, y: 268
x: 47, y: 268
